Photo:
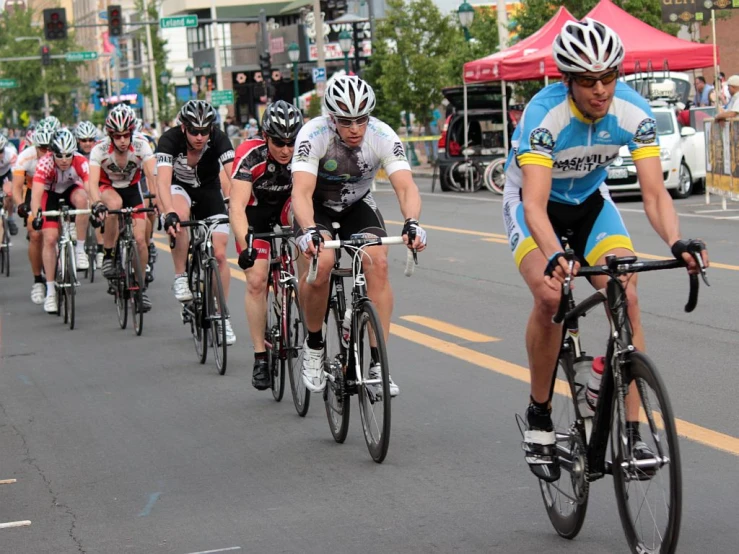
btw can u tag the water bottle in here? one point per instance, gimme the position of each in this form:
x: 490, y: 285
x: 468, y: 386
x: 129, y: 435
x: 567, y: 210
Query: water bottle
x: 594, y: 382
x: 583, y: 367
x: 346, y: 328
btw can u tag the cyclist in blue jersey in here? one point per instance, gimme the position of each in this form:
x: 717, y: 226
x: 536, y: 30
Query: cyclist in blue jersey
x: 555, y: 187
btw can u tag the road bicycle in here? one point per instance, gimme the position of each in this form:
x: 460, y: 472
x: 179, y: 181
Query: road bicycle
x: 128, y: 283
x: 207, y: 312
x: 352, y: 365
x: 65, y: 278
x: 4, y: 238
x: 494, y: 176
x: 91, y: 249
x: 647, y: 488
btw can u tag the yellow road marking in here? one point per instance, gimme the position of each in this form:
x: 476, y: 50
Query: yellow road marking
x: 449, y: 329
x: 499, y: 241
x: 714, y: 439
x: 7, y: 481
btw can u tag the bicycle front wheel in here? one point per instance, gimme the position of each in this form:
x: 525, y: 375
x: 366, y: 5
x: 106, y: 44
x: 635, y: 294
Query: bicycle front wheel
x: 293, y: 342
x: 91, y: 251
x: 374, y: 392
x: 121, y: 292
x: 272, y: 342
x: 566, y: 500
x: 465, y: 176
x: 195, y: 309
x: 69, y: 280
x: 5, y: 249
x: 335, y: 395
x: 217, y: 314
x: 135, y: 279
x: 494, y: 177
x: 648, y: 489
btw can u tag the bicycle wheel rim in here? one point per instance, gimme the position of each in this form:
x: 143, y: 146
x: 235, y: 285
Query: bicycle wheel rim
x: 374, y: 409
x: 566, y: 500
x: 650, y: 506
x: 217, y: 313
x: 6, y: 248
x: 335, y: 396
x: 69, y: 291
x: 119, y: 282
x: 135, y: 284
x: 198, y: 332
x: 272, y: 345
x: 457, y: 176
x: 494, y: 177
x: 294, y: 339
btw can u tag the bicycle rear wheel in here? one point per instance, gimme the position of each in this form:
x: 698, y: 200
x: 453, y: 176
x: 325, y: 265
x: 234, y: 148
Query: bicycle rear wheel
x: 494, y: 177
x: 69, y: 289
x: 293, y: 342
x: 566, y: 500
x: 135, y: 280
x: 196, y: 309
x: 5, y: 249
x: 217, y: 313
x: 272, y: 342
x: 374, y: 393
x: 335, y: 395
x: 91, y: 251
x: 648, y: 491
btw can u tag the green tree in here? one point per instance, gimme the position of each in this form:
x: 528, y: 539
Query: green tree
x: 160, y: 54
x: 484, y: 41
x: 61, y: 77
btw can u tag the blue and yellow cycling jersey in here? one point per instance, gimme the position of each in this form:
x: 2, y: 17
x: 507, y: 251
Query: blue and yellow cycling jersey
x: 554, y: 133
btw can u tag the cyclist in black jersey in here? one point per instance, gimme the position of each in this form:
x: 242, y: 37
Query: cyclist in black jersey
x: 194, y: 163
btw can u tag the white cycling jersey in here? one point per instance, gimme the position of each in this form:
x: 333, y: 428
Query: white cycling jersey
x: 8, y: 160
x: 25, y: 164
x: 103, y: 156
x: 344, y: 174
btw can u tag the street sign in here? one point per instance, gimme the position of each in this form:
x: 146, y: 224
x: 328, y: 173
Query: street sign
x: 80, y: 56
x: 222, y: 97
x: 319, y: 74
x: 178, y: 21
x: 103, y: 15
x: 8, y: 83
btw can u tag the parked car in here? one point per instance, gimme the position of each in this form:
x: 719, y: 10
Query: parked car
x: 661, y: 84
x: 485, y: 129
x: 682, y: 152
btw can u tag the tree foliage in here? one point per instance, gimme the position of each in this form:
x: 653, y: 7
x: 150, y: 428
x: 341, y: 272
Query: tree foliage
x: 61, y: 77
x: 483, y: 42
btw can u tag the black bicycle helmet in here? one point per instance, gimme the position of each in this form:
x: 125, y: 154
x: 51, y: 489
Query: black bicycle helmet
x: 198, y: 114
x: 282, y: 120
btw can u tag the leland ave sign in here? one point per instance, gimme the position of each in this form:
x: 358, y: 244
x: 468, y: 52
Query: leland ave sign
x: 178, y: 21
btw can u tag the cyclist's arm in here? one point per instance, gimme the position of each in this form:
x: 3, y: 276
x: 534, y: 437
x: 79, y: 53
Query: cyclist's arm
x: 407, y: 192
x: 537, y: 186
x: 240, y: 194
x: 304, y: 184
x: 37, y: 191
x: 225, y: 178
x: 164, y: 187
x: 94, y: 184
x: 151, y: 179
x: 657, y: 202
x: 19, y: 177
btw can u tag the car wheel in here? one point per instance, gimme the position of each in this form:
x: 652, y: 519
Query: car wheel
x: 444, y: 179
x: 685, y: 183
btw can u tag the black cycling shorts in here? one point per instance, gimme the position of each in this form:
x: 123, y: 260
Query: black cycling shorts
x: 362, y: 217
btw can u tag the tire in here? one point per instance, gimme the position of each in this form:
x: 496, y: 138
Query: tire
x: 134, y: 280
x: 197, y: 330
x: 494, y: 177
x: 630, y: 482
x: 458, y: 172
x: 217, y: 314
x: 444, y: 179
x: 335, y: 396
x: 294, y: 338
x: 91, y: 251
x: 121, y: 291
x: 69, y: 288
x: 685, y: 183
x: 58, y: 282
x: 566, y: 500
x: 5, y: 249
x: 273, y: 338
x: 371, y: 404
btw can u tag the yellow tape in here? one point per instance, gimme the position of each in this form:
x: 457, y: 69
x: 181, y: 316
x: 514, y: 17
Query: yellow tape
x: 420, y: 139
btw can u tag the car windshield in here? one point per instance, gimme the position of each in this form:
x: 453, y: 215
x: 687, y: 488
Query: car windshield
x: 664, y: 123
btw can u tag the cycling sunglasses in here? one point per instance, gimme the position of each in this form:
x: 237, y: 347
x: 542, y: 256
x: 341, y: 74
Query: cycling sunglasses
x: 195, y: 131
x: 281, y: 143
x: 347, y: 122
x: 589, y: 82
x: 63, y: 156
x: 121, y: 135
x: 87, y: 140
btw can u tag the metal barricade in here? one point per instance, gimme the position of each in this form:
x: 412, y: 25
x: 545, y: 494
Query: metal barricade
x: 722, y: 159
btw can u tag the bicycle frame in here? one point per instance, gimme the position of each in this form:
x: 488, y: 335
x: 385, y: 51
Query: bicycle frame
x: 65, y: 239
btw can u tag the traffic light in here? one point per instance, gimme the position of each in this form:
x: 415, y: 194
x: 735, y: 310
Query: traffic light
x: 55, y: 24
x: 101, y: 88
x: 265, y: 65
x: 45, y: 55
x: 115, y: 21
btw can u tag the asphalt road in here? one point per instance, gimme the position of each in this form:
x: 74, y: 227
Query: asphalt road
x: 125, y: 444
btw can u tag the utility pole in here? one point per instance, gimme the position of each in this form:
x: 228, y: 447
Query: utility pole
x: 318, y: 21
x: 152, y: 72
x: 216, y: 30
x: 502, y: 24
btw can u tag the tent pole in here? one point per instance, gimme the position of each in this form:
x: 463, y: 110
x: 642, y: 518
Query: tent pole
x: 715, y: 79
x: 466, y: 138
x: 546, y: 80
x: 505, y: 117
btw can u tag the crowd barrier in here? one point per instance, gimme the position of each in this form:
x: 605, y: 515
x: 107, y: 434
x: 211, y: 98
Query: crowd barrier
x: 722, y: 159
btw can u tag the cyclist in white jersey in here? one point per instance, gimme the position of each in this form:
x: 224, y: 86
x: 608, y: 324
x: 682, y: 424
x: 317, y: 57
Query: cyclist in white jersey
x: 23, y: 172
x: 8, y: 157
x: 335, y: 160
x: 568, y: 134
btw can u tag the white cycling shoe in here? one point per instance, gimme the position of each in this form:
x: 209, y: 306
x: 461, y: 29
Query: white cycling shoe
x: 313, y: 375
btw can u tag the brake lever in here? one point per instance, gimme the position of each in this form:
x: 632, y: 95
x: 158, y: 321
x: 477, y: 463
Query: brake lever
x: 699, y: 260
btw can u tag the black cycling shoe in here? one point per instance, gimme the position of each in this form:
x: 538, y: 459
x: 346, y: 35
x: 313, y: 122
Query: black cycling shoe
x: 149, y: 273
x: 12, y: 227
x: 540, y: 445
x: 260, y: 379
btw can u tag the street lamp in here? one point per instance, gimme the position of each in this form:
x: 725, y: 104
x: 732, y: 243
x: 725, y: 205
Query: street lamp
x: 190, y: 72
x: 164, y: 79
x: 47, y: 113
x: 207, y: 70
x: 345, y: 43
x: 293, y: 52
x: 466, y: 14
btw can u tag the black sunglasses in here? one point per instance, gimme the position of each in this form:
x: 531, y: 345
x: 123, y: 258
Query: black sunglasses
x: 348, y: 121
x: 281, y: 143
x: 87, y: 140
x: 63, y: 156
x: 195, y: 131
x: 589, y: 82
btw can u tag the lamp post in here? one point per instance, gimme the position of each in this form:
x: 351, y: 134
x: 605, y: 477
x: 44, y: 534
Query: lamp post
x: 207, y: 70
x: 345, y: 43
x: 190, y: 72
x: 466, y: 14
x: 293, y: 52
x: 47, y: 113
x: 164, y: 79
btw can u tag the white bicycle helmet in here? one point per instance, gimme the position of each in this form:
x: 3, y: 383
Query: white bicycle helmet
x: 282, y: 120
x: 52, y: 122
x: 3, y: 142
x: 85, y: 130
x: 64, y: 142
x: 587, y: 46
x: 42, y: 137
x: 121, y: 119
x: 349, y: 96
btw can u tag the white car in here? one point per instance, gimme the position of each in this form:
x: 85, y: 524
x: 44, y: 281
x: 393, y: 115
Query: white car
x: 682, y: 152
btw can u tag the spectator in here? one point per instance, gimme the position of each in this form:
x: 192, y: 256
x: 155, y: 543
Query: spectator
x: 232, y: 130
x: 251, y: 128
x: 704, y: 94
x: 732, y: 109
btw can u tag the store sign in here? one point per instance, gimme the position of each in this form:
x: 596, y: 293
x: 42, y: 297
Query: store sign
x: 332, y: 51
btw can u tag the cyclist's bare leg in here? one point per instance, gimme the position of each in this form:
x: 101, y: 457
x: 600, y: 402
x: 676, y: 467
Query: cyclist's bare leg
x: 8, y: 200
x: 35, y: 248
x: 314, y: 296
x: 112, y: 201
x: 179, y: 254
x: 542, y: 336
x: 50, y: 238
x: 378, y: 285
x: 80, y: 201
x: 220, y: 243
x: 255, y: 302
x: 637, y: 333
x: 139, y: 234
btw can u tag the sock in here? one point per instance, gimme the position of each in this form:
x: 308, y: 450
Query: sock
x: 50, y: 288
x: 108, y: 253
x: 38, y: 279
x: 99, y: 248
x: 260, y: 356
x: 375, y: 354
x: 178, y: 275
x: 315, y: 339
x: 80, y: 246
